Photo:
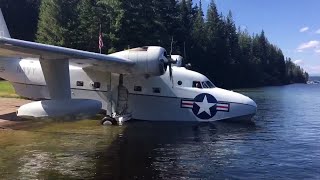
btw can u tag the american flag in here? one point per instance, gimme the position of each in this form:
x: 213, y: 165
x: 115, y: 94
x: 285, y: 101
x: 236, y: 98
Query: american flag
x: 100, y: 40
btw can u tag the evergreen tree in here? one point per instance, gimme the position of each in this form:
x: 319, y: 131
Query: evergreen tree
x: 87, y: 32
x: 217, y: 51
x: 232, y: 40
x: 185, y: 25
x: 111, y: 16
x: 69, y: 21
x: 50, y: 29
x: 229, y: 57
x: 166, y: 22
x: 198, y: 29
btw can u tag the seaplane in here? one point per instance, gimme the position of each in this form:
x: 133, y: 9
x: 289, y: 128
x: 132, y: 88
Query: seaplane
x: 143, y: 83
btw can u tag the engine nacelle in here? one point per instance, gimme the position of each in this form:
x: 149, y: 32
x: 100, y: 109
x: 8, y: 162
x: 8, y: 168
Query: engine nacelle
x: 149, y: 60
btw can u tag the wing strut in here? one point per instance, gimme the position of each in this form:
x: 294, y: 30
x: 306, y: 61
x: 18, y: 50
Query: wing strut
x: 57, y: 77
x: 61, y: 106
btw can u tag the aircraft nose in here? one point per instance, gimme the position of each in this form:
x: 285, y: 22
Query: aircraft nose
x: 246, y: 101
x: 246, y: 108
x: 249, y: 101
x: 241, y: 105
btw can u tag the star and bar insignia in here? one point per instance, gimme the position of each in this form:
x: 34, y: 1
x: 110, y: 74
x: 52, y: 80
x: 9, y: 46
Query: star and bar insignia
x: 205, y: 106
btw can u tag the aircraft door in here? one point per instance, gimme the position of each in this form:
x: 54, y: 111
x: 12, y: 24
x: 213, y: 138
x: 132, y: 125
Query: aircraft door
x: 122, y: 105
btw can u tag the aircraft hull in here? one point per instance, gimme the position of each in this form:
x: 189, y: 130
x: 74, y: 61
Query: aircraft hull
x: 172, y: 103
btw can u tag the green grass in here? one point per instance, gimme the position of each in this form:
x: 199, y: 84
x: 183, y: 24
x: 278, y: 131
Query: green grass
x: 7, y: 90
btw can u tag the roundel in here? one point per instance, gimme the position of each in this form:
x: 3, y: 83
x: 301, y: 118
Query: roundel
x: 204, y: 106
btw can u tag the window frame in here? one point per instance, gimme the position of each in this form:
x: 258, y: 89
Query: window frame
x: 96, y: 85
x: 79, y: 84
x: 137, y: 88
x: 156, y: 90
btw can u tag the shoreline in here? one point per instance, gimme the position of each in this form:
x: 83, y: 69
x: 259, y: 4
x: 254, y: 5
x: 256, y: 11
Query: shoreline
x: 8, y: 117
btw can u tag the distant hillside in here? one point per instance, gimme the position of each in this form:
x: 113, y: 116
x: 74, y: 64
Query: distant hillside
x: 314, y: 78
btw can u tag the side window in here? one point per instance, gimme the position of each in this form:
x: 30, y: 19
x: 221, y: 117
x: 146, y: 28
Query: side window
x: 96, y: 85
x: 156, y: 90
x: 196, y: 84
x: 79, y: 83
x: 137, y: 88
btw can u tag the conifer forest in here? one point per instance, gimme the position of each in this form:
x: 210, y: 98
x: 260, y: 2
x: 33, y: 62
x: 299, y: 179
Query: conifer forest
x: 212, y: 42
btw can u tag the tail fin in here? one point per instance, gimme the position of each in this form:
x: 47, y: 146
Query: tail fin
x: 3, y: 27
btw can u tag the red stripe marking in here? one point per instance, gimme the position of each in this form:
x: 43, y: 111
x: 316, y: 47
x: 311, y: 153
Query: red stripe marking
x: 223, y: 107
x: 187, y: 103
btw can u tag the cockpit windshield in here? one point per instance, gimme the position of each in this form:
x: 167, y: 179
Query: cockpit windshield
x: 210, y: 84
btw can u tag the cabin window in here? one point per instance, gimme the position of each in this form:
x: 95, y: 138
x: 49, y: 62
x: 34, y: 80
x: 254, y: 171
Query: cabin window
x: 96, y: 85
x: 196, y: 84
x: 79, y: 83
x: 156, y: 90
x: 137, y: 88
x: 179, y: 83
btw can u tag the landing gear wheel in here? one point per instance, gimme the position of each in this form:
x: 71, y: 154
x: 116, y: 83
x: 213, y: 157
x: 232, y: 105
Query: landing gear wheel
x: 108, y: 121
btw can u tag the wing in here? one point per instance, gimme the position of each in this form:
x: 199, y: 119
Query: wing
x: 23, y: 49
x: 55, y: 62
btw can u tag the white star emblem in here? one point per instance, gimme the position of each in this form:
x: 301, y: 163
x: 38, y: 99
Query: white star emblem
x: 205, y: 106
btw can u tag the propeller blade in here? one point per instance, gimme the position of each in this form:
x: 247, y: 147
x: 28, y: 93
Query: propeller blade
x: 170, y: 72
x: 171, y: 47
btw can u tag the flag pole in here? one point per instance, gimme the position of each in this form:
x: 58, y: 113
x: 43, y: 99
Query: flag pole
x: 100, y: 38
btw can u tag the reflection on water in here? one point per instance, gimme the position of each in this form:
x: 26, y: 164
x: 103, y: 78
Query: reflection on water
x: 137, y: 150
x: 61, y: 150
x: 282, y: 143
x: 164, y: 150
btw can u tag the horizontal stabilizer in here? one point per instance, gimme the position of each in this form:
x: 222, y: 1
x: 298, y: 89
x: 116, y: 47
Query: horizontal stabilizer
x: 4, y: 32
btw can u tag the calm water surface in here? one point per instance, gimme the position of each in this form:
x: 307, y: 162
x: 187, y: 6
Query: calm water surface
x: 283, y: 143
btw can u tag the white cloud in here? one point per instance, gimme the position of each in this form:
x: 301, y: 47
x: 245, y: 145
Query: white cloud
x: 317, y: 51
x: 299, y: 61
x: 308, y: 45
x: 299, y: 50
x: 318, y: 31
x: 304, y: 29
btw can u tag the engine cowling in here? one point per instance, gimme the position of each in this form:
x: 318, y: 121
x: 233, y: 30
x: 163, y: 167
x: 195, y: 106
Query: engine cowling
x: 149, y: 60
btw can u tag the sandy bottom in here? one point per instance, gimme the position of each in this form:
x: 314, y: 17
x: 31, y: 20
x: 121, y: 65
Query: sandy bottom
x: 8, y: 108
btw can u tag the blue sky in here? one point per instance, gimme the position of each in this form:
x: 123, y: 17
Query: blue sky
x: 293, y: 25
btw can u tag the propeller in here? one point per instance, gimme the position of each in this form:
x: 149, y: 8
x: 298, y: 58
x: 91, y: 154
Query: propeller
x: 188, y: 65
x: 170, y: 62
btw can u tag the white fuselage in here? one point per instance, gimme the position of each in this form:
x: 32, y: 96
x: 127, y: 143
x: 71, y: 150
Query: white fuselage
x: 155, y: 98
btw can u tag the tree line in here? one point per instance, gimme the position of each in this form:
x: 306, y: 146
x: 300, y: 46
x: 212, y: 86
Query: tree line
x: 231, y: 57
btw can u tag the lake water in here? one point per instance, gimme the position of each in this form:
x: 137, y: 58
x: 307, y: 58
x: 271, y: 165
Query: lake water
x: 283, y: 143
